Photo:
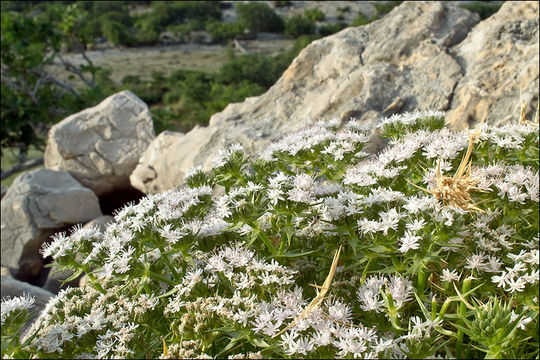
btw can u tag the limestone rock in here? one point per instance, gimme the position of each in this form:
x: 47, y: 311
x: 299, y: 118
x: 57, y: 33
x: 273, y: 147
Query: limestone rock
x: 395, y: 64
x: 100, y: 146
x: 501, y: 59
x: 145, y: 173
x: 38, y: 203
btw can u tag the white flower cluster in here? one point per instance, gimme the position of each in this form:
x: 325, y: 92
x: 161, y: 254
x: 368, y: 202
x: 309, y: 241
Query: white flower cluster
x: 370, y: 297
x: 12, y: 305
x: 109, y: 317
x: 409, y: 118
x: 341, y: 142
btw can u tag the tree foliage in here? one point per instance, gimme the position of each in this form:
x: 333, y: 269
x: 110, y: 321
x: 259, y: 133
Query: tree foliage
x: 259, y: 17
x: 32, y: 97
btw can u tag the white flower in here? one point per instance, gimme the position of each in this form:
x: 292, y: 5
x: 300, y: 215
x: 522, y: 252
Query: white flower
x: 416, y: 225
x: 516, y: 284
x: 449, y: 276
x: 409, y: 241
x: 476, y: 262
x: 19, y: 303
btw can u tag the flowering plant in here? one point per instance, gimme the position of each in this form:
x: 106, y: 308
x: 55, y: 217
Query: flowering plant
x: 315, y: 249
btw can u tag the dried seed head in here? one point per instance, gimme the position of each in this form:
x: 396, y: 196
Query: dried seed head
x: 455, y: 191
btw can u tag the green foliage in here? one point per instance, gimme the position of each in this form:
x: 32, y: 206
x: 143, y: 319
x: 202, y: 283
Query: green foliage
x: 282, y: 3
x: 148, y: 29
x: 256, y: 68
x: 482, y: 8
x: 222, y: 32
x: 330, y: 29
x: 116, y: 33
x: 298, y: 25
x: 385, y: 7
x: 362, y: 19
x: 258, y: 17
x: 32, y: 99
x: 314, y: 14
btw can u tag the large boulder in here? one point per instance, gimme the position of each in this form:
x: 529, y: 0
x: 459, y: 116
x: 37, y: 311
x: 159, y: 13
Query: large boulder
x: 147, y: 174
x: 37, y: 204
x: 500, y: 58
x: 100, y: 146
x: 398, y: 63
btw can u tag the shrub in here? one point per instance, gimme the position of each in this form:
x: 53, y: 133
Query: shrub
x: 147, y: 29
x: 484, y: 9
x: 298, y: 25
x: 314, y: 14
x: 116, y: 33
x: 255, y: 68
x: 258, y: 17
x: 361, y: 19
x: 121, y: 17
x: 222, y: 32
x: 330, y: 29
x: 385, y: 7
x: 428, y: 249
x: 277, y: 4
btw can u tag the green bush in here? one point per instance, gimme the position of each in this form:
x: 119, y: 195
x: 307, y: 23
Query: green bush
x: 385, y: 7
x: 147, y: 29
x: 121, y: 17
x: 255, y: 68
x: 222, y: 32
x: 103, y: 7
x: 91, y: 30
x: 258, y: 17
x: 281, y: 3
x: 314, y: 14
x: 362, y: 19
x: 330, y: 29
x: 116, y: 33
x: 298, y: 25
x: 484, y: 9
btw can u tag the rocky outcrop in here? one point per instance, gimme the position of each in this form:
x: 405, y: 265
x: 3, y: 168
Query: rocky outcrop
x: 399, y: 63
x: 37, y: 204
x: 147, y: 174
x: 500, y: 58
x: 420, y: 56
x: 100, y: 146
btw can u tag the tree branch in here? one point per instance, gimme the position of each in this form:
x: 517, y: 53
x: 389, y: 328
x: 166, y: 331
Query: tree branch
x: 21, y: 167
x: 72, y: 68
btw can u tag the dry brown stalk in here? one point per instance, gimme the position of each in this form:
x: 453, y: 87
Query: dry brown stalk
x: 317, y: 301
x: 455, y: 190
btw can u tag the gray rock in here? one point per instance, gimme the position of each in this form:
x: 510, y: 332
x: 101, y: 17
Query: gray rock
x: 100, y: 146
x: 38, y: 203
x: 146, y: 174
x: 395, y: 64
x: 4, y: 190
x: 500, y: 56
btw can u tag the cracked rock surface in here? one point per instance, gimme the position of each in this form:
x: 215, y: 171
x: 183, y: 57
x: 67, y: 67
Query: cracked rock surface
x: 37, y: 204
x: 398, y: 63
x: 100, y: 146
